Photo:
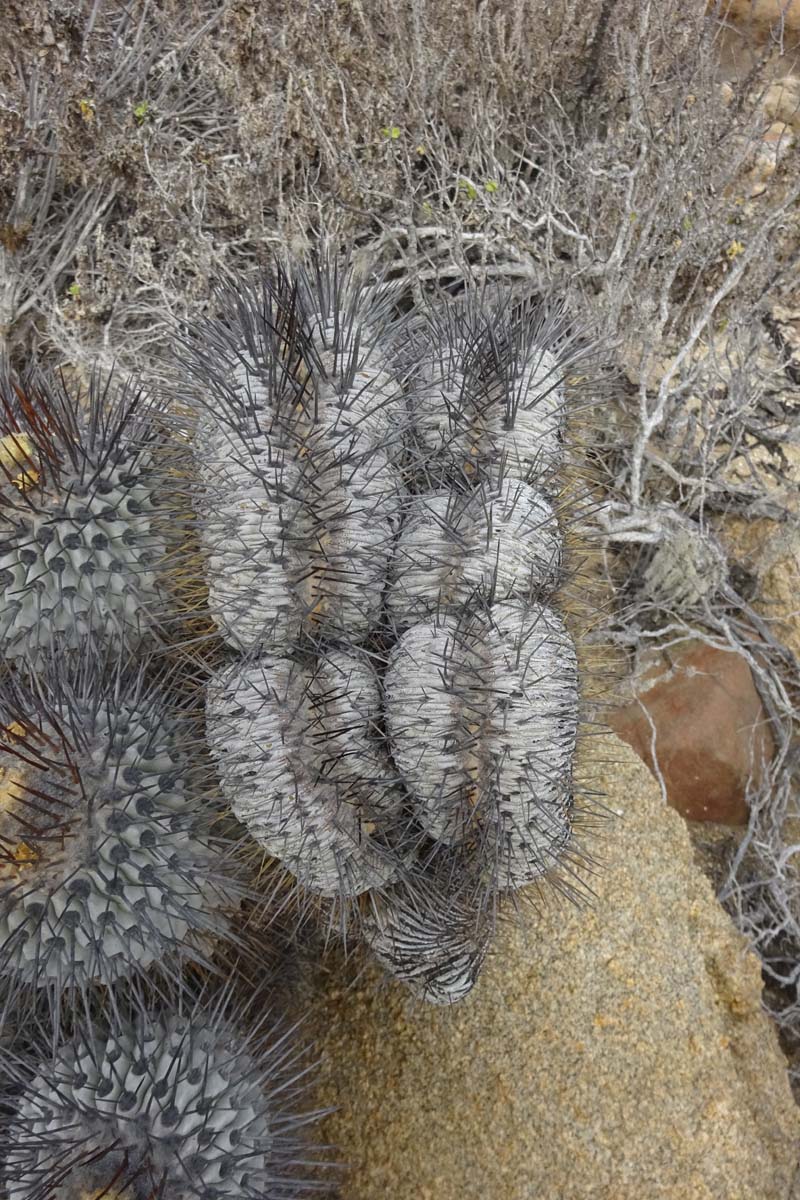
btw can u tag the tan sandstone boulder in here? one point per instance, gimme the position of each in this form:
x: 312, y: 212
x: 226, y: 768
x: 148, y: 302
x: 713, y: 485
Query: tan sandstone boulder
x: 771, y: 553
x: 761, y: 15
x: 613, y: 1052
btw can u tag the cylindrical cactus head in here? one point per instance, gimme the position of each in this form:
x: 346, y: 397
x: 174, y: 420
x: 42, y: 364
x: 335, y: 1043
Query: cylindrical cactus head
x: 303, y: 765
x: 302, y: 356
x: 496, y: 541
x: 80, y: 543
x: 351, y: 336
x: 300, y: 418
x: 489, y: 390
x: 344, y: 314
x: 430, y: 940
x: 185, y: 1104
x: 351, y: 515
x: 296, y: 547
x: 106, y: 862
x: 482, y: 715
x: 246, y: 380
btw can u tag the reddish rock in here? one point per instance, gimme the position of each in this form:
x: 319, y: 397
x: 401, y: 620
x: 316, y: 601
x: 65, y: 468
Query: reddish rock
x: 710, y: 729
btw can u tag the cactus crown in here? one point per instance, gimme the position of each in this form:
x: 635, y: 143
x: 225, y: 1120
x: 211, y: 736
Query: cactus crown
x: 79, y: 539
x: 107, y: 864
x: 194, y: 1102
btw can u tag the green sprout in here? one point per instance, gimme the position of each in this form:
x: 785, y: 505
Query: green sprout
x: 141, y: 111
x: 391, y: 131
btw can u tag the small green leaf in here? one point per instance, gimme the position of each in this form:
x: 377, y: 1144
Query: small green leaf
x: 491, y: 185
x: 391, y: 131
x: 141, y: 111
x: 465, y: 186
x: 74, y: 290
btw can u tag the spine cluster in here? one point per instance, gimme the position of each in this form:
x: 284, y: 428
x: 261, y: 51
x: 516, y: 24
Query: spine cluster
x: 108, y: 860
x: 298, y: 438
x: 80, y: 543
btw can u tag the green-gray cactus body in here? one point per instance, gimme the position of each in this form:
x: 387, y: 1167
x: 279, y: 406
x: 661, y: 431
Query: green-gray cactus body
x: 173, y: 1106
x: 429, y: 941
x: 80, y: 543
x: 303, y: 767
x: 498, y: 540
x: 404, y: 723
x: 108, y: 866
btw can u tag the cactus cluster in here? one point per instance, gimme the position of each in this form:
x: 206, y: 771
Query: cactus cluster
x: 397, y: 716
x: 379, y: 700
x: 120, y: 877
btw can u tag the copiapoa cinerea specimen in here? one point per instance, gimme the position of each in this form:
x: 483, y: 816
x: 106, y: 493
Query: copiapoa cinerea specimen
x: 83, y: 487
x: 298, y: 438
x: 301, y: 731
x: 429, y: 937
x: 383, y: 520
x: 196, y: 1099
x: 108, y: 861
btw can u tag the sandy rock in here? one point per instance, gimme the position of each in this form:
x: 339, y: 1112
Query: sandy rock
x: 773, y: 146
x: 697, y: 718
x: 782, y: 101
x: 770, y: 552
x: 761, y: 16
x: 607, y: 1053
x: 780, y: 593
